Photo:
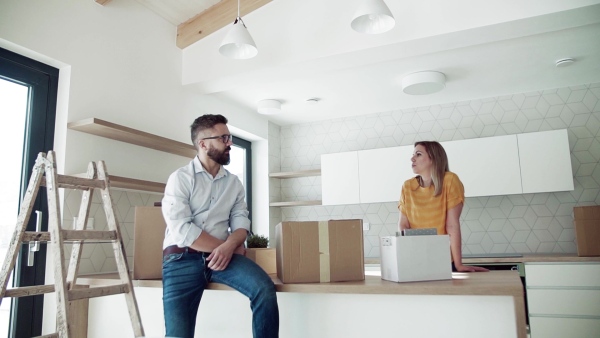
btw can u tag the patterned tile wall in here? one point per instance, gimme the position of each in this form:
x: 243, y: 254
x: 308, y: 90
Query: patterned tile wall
x: 99, y: 258
x: 529, y: 223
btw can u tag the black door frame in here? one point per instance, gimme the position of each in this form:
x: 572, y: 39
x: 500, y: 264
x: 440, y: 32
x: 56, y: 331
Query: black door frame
x: 27, y: 312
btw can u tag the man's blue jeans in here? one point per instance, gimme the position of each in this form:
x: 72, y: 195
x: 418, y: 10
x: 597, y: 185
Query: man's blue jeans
x: 186, y: 275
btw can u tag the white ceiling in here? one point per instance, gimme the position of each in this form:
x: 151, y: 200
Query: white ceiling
x: 307, y: 49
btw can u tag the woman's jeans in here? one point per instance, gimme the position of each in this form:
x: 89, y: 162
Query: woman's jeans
x: 186, y: 275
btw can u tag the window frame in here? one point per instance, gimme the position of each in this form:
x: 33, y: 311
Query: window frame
x: 247, y: 146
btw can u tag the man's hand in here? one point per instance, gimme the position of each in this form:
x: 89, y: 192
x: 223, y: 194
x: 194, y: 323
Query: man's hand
x: 220, y: 257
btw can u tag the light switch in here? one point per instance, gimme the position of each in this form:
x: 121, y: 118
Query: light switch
x: 366, y: 226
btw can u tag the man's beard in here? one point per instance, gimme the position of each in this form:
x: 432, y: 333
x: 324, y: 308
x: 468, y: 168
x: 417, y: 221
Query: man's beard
x: 219, y: 156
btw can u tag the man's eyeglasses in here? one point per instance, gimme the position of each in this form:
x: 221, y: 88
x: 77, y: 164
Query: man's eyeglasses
x: 225, y: 138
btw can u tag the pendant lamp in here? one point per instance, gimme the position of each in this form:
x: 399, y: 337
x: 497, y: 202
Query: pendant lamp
x: 238, y: 44
x: 373, y: 17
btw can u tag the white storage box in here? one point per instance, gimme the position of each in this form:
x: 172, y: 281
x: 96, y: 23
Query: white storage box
x: 415, y: 258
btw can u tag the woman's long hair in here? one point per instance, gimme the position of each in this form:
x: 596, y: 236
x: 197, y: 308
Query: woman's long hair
x: 439, y: 161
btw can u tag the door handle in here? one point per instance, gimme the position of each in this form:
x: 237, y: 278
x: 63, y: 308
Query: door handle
x: 34, y: 246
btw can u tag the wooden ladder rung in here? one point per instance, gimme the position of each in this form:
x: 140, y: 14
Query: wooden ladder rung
x: 89, y: 235
x: 51, y: 335
x: 25, y: 291
x: 98, y: 291
x: 32, y: 236
x: 72, y: 235
x: 73, y: 182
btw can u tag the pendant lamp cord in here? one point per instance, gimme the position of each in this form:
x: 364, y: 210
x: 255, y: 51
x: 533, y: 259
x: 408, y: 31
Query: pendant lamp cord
x: 239, y: 18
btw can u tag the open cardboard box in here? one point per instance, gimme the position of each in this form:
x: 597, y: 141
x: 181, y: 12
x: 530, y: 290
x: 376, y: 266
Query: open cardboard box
x: 415, y: 258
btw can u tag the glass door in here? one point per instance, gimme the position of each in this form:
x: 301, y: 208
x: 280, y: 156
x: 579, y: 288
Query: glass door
x: 13, y: 105
x: 28, y: 91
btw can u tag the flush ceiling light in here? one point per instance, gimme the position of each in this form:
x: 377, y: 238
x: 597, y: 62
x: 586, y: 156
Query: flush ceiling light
x: 422, y: 83
x: 564, y: 62
x: 238, y: 44
x: 373, y: 17
x: 269, y: 107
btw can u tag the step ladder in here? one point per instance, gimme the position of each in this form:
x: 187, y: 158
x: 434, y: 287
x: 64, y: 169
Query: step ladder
x: 65, y: 288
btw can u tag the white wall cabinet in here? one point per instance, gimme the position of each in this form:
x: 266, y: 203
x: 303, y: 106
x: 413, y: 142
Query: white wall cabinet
x: 339, y: 178
x: 501, y: 165
x: 382, y: 172
x: 486, y: 166
x: 545, y: 161
x: 563, y: 299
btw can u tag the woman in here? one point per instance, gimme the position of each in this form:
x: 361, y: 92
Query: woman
x: 434, y: 199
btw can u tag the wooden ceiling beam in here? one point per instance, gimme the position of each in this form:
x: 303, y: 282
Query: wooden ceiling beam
x: 213, y: 19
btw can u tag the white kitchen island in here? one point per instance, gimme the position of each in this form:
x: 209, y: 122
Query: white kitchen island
x: 470, y: 305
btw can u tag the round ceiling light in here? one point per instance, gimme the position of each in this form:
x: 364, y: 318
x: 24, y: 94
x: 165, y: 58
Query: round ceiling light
x: 423, y: 83
x: 269, y: 107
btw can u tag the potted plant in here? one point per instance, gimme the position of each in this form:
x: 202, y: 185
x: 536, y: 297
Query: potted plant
x: 259, y: 252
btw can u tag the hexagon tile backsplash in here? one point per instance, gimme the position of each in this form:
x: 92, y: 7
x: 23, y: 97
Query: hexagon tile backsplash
x: 99, y: 257
x: 529, y: 223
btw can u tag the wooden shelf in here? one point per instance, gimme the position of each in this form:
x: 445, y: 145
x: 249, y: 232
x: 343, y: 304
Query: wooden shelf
x: 117, y: 132
x: 294, y: 203
x: 120, y: 182
x: 296, y: 174
x: 135, y: 184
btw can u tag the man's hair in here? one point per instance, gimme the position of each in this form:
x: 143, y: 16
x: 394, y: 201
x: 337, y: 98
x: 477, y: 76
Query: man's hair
x: 439, y: 161
x: 203, y: 123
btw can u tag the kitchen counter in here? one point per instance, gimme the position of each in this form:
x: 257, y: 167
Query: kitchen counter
x: 524, y: 258
x: 530, y: 258
x: 487, y: 285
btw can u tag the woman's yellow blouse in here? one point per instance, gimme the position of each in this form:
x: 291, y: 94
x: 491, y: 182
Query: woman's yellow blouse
x: 424, y: 210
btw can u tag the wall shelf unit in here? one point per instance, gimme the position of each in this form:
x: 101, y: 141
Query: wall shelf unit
x: 121, y: 133
x: 294, y: 203
x: 296, y: 174
x: 119, y: 182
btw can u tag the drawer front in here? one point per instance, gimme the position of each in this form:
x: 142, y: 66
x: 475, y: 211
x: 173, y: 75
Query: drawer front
x: 563, y: 302
x: 572, y: 274
x: 543, y: 327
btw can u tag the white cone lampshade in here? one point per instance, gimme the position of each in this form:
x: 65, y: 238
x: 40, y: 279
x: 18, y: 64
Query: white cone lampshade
x: 238, y: 44
x: 373, y: 17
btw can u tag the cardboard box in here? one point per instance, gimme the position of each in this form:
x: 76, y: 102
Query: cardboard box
x: 587, y: 230
x: 415, y: 258
x: 149, y: 232
x: 264, y: 257
x: 326, y: 251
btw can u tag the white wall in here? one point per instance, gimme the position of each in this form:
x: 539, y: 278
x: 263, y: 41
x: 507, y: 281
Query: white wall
x: 119, y: 63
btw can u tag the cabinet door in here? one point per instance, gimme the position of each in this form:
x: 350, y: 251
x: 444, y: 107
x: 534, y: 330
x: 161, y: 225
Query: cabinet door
x: 561, y: 275
x: 382, y: 173
x: 552, y: 327
x: 339, y: 178
x: 545, y: 161
x: 486, y: 166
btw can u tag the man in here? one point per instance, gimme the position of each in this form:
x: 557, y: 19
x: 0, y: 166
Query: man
x: 207, y: 224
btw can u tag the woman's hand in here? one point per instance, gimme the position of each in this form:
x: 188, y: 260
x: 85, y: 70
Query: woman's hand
x: 468, y: 268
